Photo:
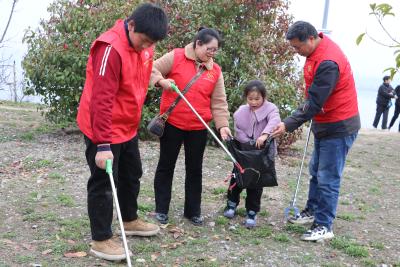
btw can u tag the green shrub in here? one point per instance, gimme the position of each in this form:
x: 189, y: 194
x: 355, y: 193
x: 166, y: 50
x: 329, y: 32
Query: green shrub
x: 254, y: 48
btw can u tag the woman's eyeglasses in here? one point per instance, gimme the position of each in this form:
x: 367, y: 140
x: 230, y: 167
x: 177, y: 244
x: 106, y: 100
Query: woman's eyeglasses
x: 212, y: 50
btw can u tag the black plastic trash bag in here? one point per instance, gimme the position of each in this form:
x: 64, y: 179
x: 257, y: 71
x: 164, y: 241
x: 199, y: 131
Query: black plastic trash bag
x: 258, y: 164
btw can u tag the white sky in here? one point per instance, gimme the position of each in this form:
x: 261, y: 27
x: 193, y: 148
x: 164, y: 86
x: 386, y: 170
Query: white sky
x: 27, y: 14
x: 346, y: 19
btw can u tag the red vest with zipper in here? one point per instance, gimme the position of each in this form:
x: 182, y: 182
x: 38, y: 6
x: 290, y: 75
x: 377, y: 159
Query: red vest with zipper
x: 134, y: 80
x: 342, y: 102
x: 199, y: 94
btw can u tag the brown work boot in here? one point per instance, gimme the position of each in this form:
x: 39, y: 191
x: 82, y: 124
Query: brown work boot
x: 140, y: 228
x: 109, y: 249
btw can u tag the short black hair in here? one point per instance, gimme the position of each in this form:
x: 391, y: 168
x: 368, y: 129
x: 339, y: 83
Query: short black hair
x: 385, y: 78
x: 151, y: 20
x: 301, y: 30
x: 206, y: 35
x: 255, y: 86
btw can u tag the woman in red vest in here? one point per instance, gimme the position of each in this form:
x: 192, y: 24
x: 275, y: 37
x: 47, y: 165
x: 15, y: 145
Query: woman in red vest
x: 207, y: 95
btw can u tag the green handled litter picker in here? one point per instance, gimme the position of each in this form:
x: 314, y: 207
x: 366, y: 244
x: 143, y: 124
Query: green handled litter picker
x: 115, y: 196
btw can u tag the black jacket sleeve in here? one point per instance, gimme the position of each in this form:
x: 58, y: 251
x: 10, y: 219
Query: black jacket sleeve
x: 397, y: 91
x: 385, y: 92
x: 322, y: 86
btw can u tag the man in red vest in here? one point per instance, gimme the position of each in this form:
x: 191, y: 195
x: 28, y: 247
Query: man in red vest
x: 331, y: 102
x: 117, y: 77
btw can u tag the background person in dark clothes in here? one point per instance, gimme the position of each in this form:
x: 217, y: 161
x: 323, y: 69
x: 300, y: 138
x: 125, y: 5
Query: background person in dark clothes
x: 385, y: 94
x: 117, y: 77
x: 396, y: 107
x: 331, y: 102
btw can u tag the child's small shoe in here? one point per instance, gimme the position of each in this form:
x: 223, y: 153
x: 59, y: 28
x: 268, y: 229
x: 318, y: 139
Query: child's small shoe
x: 230, y: 209
x: 251, y: 219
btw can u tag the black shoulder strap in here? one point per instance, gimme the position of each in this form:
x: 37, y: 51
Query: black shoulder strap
x: 190, y: 83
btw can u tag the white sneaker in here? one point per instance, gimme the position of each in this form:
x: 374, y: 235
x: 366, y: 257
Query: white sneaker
x: 317, y: 233
x: 305, y: 217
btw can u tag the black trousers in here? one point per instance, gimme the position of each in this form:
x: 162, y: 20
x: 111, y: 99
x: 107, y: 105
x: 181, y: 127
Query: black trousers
x: 127, y: 170
x: 379, y: 111
x: 253, y: 198
x: 170, y: 145
x: 395, y: 116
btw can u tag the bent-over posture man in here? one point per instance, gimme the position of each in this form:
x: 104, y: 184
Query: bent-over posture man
x: 331, y: 102
x: 117, y: 77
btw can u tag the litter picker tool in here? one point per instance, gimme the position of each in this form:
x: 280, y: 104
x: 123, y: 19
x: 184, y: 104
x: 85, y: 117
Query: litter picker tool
x: 173, y: 86
x: 121, y: 225
x: 292, y: 207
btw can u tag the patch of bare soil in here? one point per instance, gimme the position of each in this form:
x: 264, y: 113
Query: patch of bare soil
x: 43, y: 217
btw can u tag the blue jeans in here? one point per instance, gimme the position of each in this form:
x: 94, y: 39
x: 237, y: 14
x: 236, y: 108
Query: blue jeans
x: 326, y: 169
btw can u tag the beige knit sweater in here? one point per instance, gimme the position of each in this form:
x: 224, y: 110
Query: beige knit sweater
x: 219, y: 105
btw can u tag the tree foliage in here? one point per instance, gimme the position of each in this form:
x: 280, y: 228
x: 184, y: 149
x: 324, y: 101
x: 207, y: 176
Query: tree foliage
x: 254, y: 48
x: 380, y: 12
x: 58, y: 50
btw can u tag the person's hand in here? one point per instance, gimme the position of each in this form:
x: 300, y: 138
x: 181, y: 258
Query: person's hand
x: 278, y: 130
x: 101, y: 158
x: 165, y: 84
x: 225, y: 132
x: 261, y: 140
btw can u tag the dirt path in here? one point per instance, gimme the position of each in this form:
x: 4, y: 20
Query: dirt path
x: 43, y: 206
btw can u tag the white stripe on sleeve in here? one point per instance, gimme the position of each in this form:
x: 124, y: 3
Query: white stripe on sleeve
x: 104, y: 60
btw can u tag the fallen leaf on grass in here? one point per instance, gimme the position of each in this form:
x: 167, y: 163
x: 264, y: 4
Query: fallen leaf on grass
x: 215, y: 237
x: 27, y: 246
x: 78, y: 254
x: 177, y: 232
x: 71, y: 242
x: 164, y: 226
x: 7, y: 241
x: 47, y: 251
x: 155, y: 256
x: 16, y: 164
x: 212, y: 259
x: 172, y: 245
x: 177, y: 235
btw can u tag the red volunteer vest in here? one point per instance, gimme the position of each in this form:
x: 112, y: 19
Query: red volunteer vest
x: 342, y: 103
x: 134, y: 80
x: 199, y: 94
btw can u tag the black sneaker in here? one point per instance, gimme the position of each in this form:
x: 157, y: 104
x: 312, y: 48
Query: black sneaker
x: 162, y: 218
x: 304, y: 217
x: 197, y: 220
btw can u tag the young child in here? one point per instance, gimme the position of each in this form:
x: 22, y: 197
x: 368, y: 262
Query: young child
x: 253, y: 124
